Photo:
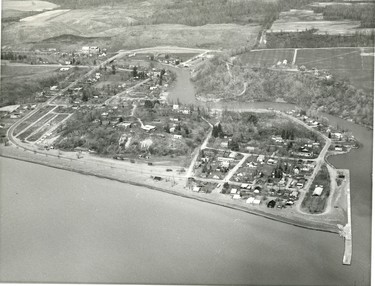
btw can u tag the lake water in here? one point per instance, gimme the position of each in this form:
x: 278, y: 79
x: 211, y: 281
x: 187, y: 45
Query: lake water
x: 59, y: 226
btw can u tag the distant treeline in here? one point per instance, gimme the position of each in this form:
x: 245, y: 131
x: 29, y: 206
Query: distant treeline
x: 335, y: 97
x: 358, y: 12
x: 311, y: 40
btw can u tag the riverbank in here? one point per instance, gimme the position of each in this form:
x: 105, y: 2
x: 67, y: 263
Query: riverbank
x: 175, y: 186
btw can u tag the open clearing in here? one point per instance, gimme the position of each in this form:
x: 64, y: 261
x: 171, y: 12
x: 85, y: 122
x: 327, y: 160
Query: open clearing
x: 13, y: 71
x: 355, y: 64
x: 45, y: 16
x: 28, y: 5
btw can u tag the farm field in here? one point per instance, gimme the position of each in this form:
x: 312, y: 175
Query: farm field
x: 345, y: 63
x: 355, y: 64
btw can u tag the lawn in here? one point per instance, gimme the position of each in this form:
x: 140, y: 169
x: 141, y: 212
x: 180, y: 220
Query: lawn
x: 317, y: 204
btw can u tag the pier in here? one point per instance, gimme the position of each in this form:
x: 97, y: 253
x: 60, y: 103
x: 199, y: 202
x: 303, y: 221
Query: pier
x: 347, y: 229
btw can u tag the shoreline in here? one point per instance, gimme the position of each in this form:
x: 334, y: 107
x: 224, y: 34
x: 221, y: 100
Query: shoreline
x: 173, y: 190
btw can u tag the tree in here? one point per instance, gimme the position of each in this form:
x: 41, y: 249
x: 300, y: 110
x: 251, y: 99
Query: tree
x: 135, y: 71
x: 113, y: 69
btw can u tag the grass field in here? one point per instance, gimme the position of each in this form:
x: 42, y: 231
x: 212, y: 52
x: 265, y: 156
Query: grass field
x: 266, y: 58
x: 353, y: 64
x: 342, y: 63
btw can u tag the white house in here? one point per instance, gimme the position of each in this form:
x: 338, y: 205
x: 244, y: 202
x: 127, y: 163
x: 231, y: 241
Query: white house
x: 196, y: 189
x: 176, y: 106
x: 233, y: 191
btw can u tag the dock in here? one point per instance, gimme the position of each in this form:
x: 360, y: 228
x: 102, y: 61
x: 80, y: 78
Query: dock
x: 347, y: 229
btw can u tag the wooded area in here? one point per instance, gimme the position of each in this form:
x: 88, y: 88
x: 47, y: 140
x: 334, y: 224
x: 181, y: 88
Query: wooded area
x: 336, y: 97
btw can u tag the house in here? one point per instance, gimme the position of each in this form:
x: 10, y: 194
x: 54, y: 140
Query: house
x: 64, y: 69
x: 271, y: 161
x: 233, y: 191
x: 176, y: 107
x: 9, y: 108
x: 244, y: 186
x: 236, y: 197
x: 277, y: 139
x: 232, y: 155
x: 250, y: 200
x: 261, y: 158
x: 148, y: 127
x: 94, y: 50
x: 196, y: 189
x: 172, y: 129
x: 157, y: 178
x: 15, y: 116
x: 337, y: 135
x: 105, y: 114
x: 318, y: 190
x: 175, y: 136
x: 294, y: 194
x: 224, y: 144
x: 53, y: 87
x: 338, y: 148
x: 256, y: 202
x: 85, y: 50
x: 225, y: 164
x: 250, y: 149
x: 300, y: 183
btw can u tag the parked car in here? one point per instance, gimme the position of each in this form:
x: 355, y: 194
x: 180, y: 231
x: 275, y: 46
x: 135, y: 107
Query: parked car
x: 169, y: 170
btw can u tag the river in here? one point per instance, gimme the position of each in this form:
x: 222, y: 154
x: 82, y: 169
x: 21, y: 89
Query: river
x: 59, y: 226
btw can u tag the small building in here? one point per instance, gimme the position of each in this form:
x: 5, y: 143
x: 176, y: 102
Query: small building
x: 318, y: 190
x: 53, y: 88
x: 233, y: 191
x: 176, y: 107
x: 244, y: 186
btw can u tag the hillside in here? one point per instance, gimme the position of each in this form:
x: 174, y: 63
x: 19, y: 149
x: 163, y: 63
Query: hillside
x: 217, y: 80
